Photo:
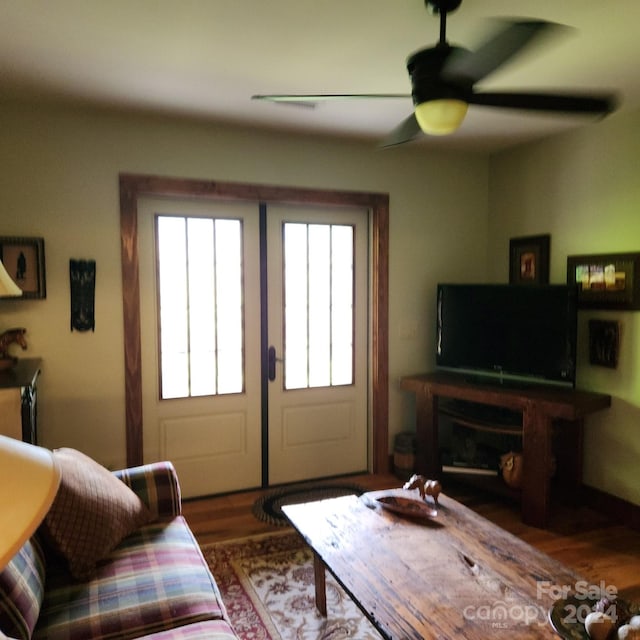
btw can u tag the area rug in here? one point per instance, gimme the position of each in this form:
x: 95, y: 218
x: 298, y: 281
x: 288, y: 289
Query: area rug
x: 267, y: 585
x: 268, y: 508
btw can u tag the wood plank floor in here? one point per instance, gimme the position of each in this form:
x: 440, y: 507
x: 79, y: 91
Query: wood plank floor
x: 583, y: 539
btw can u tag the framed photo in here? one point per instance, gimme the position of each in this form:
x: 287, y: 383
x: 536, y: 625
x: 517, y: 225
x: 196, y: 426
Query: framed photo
x: 529, y: 260
x: 23, y: 258
x: 606, y: 281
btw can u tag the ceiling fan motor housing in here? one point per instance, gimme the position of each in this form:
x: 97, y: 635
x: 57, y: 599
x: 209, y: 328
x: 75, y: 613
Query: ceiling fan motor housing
x: 442, y: 6
x: 425, y: 70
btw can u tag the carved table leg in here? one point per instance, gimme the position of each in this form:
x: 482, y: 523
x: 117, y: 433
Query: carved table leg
x: 320, y: 578
x: 569, y: 438
x: 427, y: 447
x: 537, y: 459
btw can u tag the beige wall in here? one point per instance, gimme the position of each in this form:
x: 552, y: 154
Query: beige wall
x: 583, y: 189
x: 59, y: 180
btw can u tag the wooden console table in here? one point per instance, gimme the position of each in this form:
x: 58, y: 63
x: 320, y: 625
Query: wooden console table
x: 18, y: 400
x: 543, y: 409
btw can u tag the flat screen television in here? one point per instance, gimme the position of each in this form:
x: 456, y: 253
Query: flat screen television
x: 508, y: 333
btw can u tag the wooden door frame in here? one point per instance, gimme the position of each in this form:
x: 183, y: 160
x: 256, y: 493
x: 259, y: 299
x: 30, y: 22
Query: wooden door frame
x: 133, y: 186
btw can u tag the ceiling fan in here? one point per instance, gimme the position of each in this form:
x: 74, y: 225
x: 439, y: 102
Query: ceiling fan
x: 443, y: 79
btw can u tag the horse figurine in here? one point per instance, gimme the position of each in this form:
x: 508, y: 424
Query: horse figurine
x: 425, y: 487
x: 6, y: 339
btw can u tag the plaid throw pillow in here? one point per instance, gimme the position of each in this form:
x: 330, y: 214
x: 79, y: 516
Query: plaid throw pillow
x: 92, y: 512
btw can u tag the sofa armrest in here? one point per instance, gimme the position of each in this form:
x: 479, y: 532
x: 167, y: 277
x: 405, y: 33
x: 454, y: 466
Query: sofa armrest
x: 157, y: 486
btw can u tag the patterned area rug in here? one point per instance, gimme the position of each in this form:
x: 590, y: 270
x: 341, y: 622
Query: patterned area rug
x: 268, y: 508
x: 267, y: 586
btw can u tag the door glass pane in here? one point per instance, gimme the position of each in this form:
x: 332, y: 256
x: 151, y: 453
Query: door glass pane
x: 342, y: 293
x: 202, y: 309
x: 228, y: 251
x: 200, y: 298
x: 172, y: 289
x: 318, y: 305
x: 296, y: 311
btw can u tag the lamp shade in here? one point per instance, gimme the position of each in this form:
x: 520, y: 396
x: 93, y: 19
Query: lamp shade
x: 442, y: 116
x: 29, y: 481
x: 7, y: 286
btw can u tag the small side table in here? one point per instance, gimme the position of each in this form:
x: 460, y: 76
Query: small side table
x: 18, y: 400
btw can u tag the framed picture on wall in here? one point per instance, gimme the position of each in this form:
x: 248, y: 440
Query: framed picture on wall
x: 606, y: 281
x: 23, y: 258
x: 529, y: 260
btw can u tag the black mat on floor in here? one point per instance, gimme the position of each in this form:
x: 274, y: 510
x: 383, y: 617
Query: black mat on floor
x: 268, y: 508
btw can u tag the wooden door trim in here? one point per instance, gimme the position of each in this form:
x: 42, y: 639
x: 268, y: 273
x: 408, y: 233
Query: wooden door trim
x: 133, y: 186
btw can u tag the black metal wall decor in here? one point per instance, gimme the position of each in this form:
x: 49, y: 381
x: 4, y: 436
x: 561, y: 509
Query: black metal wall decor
x: 604, y: 343
x: 82, y: 277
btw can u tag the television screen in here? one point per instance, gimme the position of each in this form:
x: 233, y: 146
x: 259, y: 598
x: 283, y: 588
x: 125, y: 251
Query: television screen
x: 508, y: 332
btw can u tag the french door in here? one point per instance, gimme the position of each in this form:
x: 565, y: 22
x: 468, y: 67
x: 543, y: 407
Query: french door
x: 309, y: 424
x: 212, y: 434
x: 317, y: 316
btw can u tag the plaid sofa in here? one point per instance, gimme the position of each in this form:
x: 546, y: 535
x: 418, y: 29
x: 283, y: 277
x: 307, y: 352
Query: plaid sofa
x: 154, y: 585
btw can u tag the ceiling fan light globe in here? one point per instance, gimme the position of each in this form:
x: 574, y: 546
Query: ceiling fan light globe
x: 440, y: 117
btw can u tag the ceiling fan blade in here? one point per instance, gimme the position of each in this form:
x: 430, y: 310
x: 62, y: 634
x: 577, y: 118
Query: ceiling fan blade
x: 324, y: 97
x: 404, y: 132
x: 472, y: 66
x: 599, y: 104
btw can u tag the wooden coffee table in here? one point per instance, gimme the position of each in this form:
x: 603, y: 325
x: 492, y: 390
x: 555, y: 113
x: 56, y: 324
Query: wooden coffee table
x: 453, y: 576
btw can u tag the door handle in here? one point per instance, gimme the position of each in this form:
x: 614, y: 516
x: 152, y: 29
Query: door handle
x: 271, y: 367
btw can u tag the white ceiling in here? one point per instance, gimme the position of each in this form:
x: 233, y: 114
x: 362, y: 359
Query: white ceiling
x: 205, y: 58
